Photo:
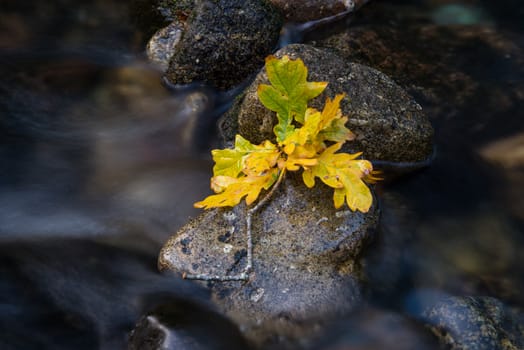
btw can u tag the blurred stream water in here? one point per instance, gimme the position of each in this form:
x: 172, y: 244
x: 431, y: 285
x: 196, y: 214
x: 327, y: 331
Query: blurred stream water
x: 100, y: 162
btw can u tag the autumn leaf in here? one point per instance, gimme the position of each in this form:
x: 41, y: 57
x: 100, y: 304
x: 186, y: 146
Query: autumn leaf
x: 241, y: 172
x: 328, y: 125
x: 261, y: 159
x: 288, y: 93
x: 232, y: 162
x: 333, y: 127
x: 307, y: 139
x: 231, y: 190
x: 344, y: 173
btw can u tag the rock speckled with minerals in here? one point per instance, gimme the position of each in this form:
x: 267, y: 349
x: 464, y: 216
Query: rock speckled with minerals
x: 306, y: 260
x: 225, y: 42
x: 388, y: 123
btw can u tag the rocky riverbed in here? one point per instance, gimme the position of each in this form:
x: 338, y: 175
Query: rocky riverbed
x: 308, y: 264
x: 107, y: 117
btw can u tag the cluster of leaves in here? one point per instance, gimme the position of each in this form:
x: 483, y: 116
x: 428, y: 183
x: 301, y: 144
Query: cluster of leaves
x: 306, y: 138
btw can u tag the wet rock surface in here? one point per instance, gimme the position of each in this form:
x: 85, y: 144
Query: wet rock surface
x: 225, y: 42
x: 388, y: 123
x: 482, y: 261
x: 468, y: 79
x: 306, y: 266
x: 476, y: 323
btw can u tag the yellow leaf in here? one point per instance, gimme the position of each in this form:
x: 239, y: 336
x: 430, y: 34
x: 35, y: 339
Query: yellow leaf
x: 232, y: 190
x: 229, y: 162
x: 333, y: 124
x: 345, y: 174
x: 337, y: 131
x: 358, y: 196
x: 302, y: 156
x: 304, y: 136
x: 331, y: 109
x: 263, y: 158
x: 220, y: 183
x: 373, y: 177
x: 243, y: 158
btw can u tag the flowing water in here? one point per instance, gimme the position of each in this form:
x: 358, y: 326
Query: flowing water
x: 100, y: 162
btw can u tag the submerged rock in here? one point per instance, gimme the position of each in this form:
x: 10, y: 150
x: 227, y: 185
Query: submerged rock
x: 476, y: 323
x: 306, y: 267
x: 225, y: 42
x: 388, y: 123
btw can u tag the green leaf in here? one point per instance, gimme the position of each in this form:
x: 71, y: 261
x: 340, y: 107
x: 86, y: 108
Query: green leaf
x: 228, y: 162
x: 289, y: 93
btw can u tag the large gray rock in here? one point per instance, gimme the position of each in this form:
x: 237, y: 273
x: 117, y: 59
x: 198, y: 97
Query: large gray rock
x: 388, y: 123
x: 305, y: 260
x: 225, y: 42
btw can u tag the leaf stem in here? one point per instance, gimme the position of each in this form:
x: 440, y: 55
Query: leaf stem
x: 250, y: 212
x: 244, y: 275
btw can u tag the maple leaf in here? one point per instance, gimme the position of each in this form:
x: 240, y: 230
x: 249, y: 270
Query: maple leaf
x: 344, y: 173
x: 288, y: 93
